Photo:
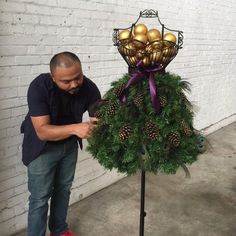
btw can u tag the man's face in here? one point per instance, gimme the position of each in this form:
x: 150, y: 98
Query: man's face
x: 68, y: 79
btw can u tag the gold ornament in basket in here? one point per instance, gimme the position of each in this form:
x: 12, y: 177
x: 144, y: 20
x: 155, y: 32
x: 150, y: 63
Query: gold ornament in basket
x: 151, y: 46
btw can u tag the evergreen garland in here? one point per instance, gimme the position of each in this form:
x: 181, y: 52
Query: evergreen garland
x: 125, y: 131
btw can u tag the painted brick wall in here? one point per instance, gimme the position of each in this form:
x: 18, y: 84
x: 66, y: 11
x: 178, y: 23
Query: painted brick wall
x: 32, y: 31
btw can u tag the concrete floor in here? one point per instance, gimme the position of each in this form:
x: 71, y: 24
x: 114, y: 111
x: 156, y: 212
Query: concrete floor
x: 204, y: 205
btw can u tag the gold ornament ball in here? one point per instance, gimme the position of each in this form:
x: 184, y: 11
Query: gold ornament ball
x: 125, y: 36
x: 153, y: 35
x: 169, y: 39
x: 165, y: 60
x: 149, y: 48
x: 140, y: 40
x: 173, y: 51
x: 146, y: 61
x: 133, y: 60
x: 129, y: 49
x: 169, y: 52
x: 155, y: 57
x: 140, y: 29
x: 154, y: 46
x: 157, y: 46
x: 166, y: 52
x: 140, y: 54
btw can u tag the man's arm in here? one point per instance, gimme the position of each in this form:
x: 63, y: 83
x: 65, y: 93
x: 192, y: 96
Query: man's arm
x: 47, y: 132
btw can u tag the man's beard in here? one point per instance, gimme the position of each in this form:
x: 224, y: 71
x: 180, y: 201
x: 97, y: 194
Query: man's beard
x: 74, y: 91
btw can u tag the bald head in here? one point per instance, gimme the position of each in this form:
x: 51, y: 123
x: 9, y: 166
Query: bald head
x: 66, y: 72
x: 63, y: 59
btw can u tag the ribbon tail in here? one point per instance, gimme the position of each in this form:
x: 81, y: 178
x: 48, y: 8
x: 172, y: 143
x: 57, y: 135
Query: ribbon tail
x: 135, y: 78
x: 155, y: 99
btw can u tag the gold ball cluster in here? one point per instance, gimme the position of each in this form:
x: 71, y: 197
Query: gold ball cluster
x: 147, y: 45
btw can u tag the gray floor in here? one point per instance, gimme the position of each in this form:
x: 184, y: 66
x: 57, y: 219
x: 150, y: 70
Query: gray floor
x: 204, y: 205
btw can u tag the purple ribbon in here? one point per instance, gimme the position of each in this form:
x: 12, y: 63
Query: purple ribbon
x: 142, y: 72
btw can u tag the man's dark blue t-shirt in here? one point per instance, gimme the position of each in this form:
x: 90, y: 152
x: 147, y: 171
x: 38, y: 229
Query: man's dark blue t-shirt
x: 45, y: 98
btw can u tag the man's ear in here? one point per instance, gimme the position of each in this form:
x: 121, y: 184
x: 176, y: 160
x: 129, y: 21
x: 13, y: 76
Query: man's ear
x: 52, y: 77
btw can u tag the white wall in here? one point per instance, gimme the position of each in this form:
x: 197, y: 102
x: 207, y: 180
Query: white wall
x: 32, y: 31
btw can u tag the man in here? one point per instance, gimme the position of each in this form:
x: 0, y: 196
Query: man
x: 52, y: 127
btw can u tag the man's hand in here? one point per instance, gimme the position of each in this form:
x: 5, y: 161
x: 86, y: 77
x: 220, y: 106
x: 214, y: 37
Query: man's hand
x: 83, y: 130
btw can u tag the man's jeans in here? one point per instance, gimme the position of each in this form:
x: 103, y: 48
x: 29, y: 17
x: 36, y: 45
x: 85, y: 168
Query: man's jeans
x: 51, y: 175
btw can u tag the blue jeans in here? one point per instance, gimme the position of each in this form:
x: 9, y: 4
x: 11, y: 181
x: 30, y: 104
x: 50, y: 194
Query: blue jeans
x: 50, y: 176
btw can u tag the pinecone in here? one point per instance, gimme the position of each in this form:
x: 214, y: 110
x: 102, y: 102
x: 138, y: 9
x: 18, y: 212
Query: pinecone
x: 187, y: 130
x: 174, y: 138
x: 118, y: 90
x: 111, y: 110
x: 98, y: 114
x: 163, y: 100
x: 138, y: 100
x: 125, y: 132
x: 152, y: 130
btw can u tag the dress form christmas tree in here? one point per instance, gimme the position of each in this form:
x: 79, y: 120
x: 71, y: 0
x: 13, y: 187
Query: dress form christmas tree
x: 145, y: 121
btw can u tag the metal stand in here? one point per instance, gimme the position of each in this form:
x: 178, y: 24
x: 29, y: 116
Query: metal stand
x: 142, y: 211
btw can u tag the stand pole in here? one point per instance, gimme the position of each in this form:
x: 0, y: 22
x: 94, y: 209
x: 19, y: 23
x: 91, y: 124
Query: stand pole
x: 142, y: 212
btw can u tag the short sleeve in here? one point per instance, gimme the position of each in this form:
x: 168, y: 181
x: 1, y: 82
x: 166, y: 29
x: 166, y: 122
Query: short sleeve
x: 37, y: 98
x: 94, y: 96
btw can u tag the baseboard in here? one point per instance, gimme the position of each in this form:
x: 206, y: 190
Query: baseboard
x: 214, y: 127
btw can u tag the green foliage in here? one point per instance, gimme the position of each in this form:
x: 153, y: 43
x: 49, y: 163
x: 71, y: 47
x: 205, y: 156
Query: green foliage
x: 160, y: 155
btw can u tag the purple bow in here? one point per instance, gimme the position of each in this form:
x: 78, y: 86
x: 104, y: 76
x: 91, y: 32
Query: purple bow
x: 142, y: 72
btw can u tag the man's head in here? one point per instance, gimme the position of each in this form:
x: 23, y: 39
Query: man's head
x: 66, y: 71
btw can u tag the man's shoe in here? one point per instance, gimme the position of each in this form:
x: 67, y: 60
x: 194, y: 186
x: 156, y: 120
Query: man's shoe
x: 67, y: 233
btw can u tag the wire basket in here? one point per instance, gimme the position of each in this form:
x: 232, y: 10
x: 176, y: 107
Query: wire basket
x: 134, y: 47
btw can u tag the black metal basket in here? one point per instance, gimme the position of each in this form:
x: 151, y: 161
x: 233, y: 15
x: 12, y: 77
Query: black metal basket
x: 157, y: 52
